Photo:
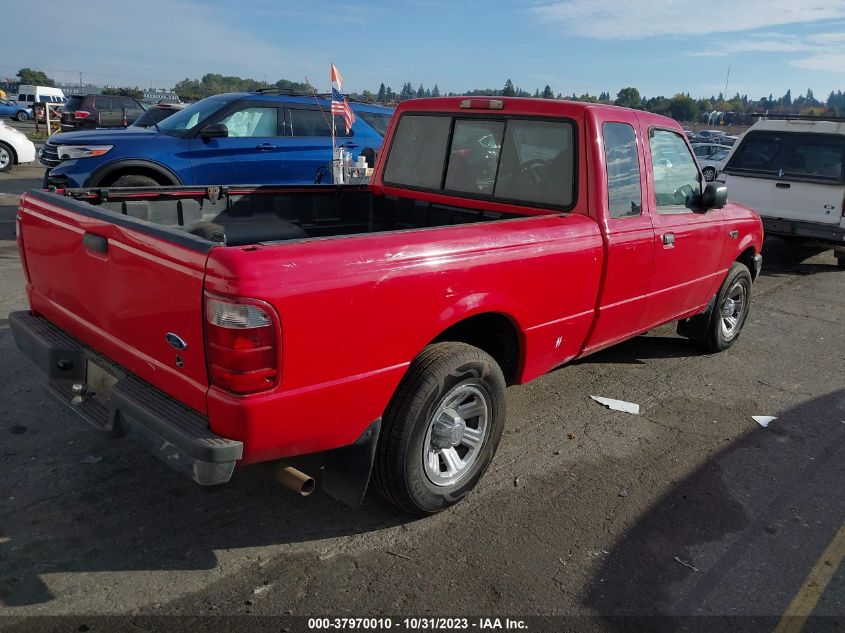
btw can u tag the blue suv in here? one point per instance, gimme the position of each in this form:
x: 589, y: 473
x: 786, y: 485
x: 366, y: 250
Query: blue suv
x: 264, y: 137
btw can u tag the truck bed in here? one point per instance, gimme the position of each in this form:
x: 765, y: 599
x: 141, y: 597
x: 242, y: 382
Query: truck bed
x: 239, y: 216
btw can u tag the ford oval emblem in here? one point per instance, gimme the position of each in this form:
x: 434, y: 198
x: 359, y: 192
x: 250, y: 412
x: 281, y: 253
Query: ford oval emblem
x: 174, y: 340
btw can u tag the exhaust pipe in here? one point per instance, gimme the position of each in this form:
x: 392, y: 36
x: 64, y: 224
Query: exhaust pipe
x: 295, y: 480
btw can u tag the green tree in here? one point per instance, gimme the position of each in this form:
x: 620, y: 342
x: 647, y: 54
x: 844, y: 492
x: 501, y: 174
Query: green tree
x: 787, y: 99
x: 135, y: 93
x: 34, y: 77
x: 420, y: 92
x: 435, y: 92
x: 628, y: 98
x: 508, y: 90
x: 683, y: 108
x: 408, y: 91
x: 382, y: 94
x: 547, y: 92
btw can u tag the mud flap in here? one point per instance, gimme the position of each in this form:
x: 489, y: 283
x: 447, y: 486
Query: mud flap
x: 346, y: 473
x: 695, y: 328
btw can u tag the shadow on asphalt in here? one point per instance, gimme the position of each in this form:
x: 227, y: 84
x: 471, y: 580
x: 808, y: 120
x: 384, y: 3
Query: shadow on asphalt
x: 129, y: 511
x: 751, y: 521
x: 787, y: 257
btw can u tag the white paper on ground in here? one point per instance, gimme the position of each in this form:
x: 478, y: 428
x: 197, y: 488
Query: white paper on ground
x: 618, y: 405
x: 763, y: 420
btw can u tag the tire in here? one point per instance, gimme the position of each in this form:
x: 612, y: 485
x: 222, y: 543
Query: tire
x: 22, y: 116
x: 709, y: 174
x: 7, y: 157
x: 131, y: 180
x: 415, y: 466
x: 840, y: 261
x: 723, y: 330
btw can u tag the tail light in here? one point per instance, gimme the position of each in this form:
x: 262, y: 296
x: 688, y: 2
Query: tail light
x: 242, y: 344
x: 81, y: 114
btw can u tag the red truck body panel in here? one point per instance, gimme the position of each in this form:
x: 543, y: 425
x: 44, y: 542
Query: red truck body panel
x: 354, y: 311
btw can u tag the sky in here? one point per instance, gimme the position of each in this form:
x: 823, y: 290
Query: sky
x: 661, y: 47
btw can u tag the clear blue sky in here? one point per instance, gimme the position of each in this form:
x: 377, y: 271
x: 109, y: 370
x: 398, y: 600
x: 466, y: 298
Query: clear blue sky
x: 658, y: 46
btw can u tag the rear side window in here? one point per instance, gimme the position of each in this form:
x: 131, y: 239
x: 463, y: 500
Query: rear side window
x: 305, y: 122
x: 378, y: 122
x: 104, y: 103
x: 812, y: 157
x: 621, y: 156
x: 525, y: 161
x: 73, y: 104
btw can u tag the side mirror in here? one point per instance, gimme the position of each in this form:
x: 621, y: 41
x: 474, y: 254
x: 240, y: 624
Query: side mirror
x: 714, y: 196
x: 218, y: 130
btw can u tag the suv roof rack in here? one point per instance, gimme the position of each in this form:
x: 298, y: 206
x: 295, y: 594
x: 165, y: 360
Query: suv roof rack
x: 797, y: 117
x: 287, y: 91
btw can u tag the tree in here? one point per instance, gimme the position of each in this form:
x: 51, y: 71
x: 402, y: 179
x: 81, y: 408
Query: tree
x: 420, y: 92
x: 508, y: 90
x: 628, y: 98
x: 408, y: 91
x: 34, y: 77
x: 683, y: 108
x: 547, y: 92
x: 787, y: 99
x: 382, y: 94
x: 135, y: 93
x: 435, y: 92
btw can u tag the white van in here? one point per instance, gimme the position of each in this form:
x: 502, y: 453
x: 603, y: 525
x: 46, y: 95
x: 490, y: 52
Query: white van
x: 27, y: 95
x: 791, y: 170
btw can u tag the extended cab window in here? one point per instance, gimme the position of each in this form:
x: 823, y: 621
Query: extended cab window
x: 676, y: 177
x: 785, y: 155
x: 517, y: 160
x: 621, y: 156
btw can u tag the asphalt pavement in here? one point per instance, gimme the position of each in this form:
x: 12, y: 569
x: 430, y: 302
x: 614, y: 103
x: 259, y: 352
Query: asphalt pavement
x: 690, y: 508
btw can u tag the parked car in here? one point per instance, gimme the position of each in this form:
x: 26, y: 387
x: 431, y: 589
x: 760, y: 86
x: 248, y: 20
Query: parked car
x: 255, y: 137
x: 727, y: 139
x: 791, y: 171
x: 15, y: 147
x: 157, y: 113
x: 706, y: 150
x: 220, y: 325
x: 714, y: 164
x: 98, y: 111
x: 14, y: 111
x: 708, y: 136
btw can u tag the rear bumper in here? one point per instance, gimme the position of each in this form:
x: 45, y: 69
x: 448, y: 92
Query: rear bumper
x: 119, y: 404
x: 827, y: 233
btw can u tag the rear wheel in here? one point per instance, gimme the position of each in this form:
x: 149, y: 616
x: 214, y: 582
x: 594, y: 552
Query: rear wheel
x: 709, y: 174
x: 22, y: 115
x: 441, y: 429
x: 135, y: 181
x: 6, y: 157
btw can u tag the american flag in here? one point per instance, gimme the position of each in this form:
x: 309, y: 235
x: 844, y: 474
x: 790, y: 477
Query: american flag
x: 341, y: 107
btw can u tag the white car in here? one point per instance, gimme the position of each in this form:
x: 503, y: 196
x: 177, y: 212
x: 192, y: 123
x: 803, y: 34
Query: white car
x: 792, y: 172
x: 15, y: 148
x: 713, y: 164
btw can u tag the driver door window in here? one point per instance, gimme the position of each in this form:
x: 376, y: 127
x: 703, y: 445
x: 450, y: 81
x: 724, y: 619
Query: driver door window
x: 677, y: 182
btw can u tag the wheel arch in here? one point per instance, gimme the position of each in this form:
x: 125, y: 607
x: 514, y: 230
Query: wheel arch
x: 111, y: 172
x: 494, y: 332
x: 746, y: 258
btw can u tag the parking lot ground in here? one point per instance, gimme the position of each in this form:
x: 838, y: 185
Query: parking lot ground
x: 690, y: 508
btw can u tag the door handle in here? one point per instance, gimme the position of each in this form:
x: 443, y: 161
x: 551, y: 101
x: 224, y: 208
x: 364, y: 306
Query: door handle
x: 265, y: 147
x: 669, y: 240
x: 734, y: 235
x: 350, y: 144
x: 95, y: 243
x: 782, y: 185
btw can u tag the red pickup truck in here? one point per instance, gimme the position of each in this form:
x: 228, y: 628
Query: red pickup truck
x: 380, y: 325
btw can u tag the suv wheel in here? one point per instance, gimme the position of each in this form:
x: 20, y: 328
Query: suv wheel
x: 131, y: 180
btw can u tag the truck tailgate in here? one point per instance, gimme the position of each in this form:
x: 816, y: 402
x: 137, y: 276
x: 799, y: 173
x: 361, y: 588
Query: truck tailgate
x: 129, y: 289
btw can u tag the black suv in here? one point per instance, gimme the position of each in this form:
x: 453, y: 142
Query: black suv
x: 86, y: 112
